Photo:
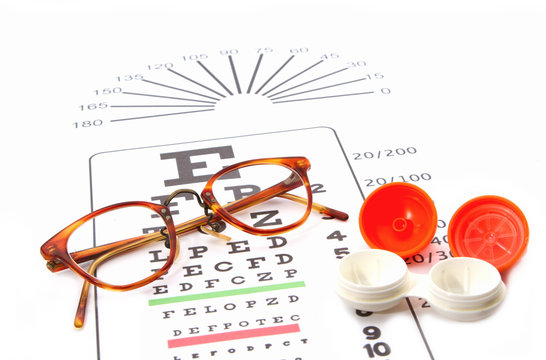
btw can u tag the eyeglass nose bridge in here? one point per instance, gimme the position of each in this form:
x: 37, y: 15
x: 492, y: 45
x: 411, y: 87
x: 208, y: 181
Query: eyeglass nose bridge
x: 215, y: 226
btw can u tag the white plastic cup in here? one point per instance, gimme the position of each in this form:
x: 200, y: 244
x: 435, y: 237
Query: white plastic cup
x: 465, y: 288
x: 373, y: 280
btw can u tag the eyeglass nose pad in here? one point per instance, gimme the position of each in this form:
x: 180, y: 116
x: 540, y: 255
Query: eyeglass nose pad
x: 373, y: 280
x: 167, y: 238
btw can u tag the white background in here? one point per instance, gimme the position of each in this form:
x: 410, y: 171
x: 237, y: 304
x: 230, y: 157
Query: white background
x: 467, y: 82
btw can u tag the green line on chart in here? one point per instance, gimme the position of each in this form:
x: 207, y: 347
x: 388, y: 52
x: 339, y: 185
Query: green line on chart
x: 224, y: 293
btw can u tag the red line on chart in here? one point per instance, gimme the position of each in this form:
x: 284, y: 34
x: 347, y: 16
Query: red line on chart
x: 233, y: 335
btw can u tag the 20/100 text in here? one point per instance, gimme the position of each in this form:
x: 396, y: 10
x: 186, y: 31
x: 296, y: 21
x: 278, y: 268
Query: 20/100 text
x: 399, y: 178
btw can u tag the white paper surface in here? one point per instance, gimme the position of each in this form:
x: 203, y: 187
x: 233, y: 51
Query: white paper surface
x: 453, y: 92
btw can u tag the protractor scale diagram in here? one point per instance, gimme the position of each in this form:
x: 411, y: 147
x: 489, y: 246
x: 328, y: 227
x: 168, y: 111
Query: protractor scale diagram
x: 202, y: 82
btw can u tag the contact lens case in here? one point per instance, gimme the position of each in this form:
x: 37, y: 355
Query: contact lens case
x: 461, y: 288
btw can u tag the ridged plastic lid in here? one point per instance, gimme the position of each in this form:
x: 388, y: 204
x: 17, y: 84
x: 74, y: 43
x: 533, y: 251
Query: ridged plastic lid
x: 490, y: 228
x: 398, y: 217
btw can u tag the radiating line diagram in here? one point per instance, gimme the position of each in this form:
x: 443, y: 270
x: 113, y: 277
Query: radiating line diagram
x: 197, y: 86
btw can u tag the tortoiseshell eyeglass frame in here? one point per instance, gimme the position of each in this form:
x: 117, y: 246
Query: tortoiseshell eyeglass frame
x: 55, y: 252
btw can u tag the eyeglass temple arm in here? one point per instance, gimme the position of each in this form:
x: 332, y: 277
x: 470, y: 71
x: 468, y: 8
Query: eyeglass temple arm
x: 79, y: 319
x: 336, y: 214
x: 279, y: 190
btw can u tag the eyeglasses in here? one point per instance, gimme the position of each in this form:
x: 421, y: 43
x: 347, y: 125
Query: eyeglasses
x: 252, y: 196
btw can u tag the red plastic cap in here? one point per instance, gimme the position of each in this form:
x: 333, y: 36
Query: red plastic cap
x: 398, y: 217
x: 490, y: 228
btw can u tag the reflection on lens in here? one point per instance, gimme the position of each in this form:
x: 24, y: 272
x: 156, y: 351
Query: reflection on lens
x: 120, y: 224
x: 271, y: 213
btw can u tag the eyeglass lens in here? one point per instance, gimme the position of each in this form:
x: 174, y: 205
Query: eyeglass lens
x: 121, y: 224
x: 271, y: 214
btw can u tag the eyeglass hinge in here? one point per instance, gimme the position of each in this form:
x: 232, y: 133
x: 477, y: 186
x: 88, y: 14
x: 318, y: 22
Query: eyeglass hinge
x: 51, y: 265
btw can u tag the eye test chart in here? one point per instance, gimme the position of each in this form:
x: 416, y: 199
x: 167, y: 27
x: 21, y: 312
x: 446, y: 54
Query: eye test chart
x: 266, y: 295
x: 112, y: 102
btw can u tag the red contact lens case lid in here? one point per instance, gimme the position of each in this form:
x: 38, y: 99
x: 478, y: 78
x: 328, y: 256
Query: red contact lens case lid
x: 490, y: 228
x: 398, y: 217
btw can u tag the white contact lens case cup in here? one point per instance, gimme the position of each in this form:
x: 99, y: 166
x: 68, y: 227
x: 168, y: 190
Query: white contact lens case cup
x: 461, y: 288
